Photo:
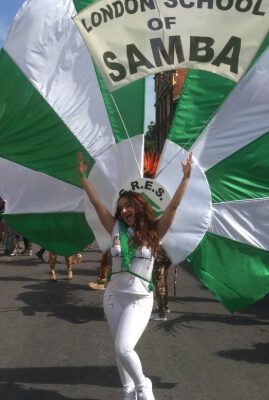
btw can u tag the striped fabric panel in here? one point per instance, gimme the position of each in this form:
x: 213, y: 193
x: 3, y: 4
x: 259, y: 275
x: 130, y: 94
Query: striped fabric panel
x: 236, y: 273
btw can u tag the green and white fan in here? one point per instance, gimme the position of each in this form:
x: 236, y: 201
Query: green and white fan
x: 227, y: 129
x: 54, y: 104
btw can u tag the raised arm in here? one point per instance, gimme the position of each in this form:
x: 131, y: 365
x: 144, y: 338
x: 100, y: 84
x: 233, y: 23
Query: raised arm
x: 167, y: 218
x: 104, y: 215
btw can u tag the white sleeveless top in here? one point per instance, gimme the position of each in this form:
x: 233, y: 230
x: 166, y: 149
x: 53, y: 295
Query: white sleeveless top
x: 142, y: 264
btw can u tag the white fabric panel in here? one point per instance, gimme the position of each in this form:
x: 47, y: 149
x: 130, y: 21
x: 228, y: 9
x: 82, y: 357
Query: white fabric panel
x: 113, y: 168
x: 243, y: 118
x: 20, y: 191
x: 193, y: 215
x: 245, y: 221
x: 47, y: 47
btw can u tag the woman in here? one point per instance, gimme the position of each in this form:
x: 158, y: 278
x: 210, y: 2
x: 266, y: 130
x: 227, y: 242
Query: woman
x: 128, y: 298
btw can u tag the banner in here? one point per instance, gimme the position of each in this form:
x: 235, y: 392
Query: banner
x: 130, y: 39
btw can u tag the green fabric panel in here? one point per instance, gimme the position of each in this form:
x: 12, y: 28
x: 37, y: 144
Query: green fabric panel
x: 80, y: 4
x: 237, y: 274
x: 239, y: 177
x: 130, y: 100
x: 202, y: 94
x: 62, y: 233
x: 31, y: 133
x: 127, y: 109
x: 242, y: 175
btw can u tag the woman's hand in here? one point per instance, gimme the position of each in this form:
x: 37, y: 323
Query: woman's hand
x: 167, y: 218
x: 82, y: 167
x: 187, y: 166
x: 103, y: 213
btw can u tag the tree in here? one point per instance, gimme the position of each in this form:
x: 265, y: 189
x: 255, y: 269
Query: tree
x: 150, y: 137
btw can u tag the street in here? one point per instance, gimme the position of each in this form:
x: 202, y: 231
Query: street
x: 55, y: 342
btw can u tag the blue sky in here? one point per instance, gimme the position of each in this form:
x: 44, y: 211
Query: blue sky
x: 8, y: 10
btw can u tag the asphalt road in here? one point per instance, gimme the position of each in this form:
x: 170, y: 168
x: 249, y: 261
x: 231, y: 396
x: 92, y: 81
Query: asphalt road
x: 55, y: 343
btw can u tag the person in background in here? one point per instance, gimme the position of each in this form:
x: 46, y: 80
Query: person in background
x: 162, y: 262
x: 70, y: 261
x: 2, y: 209
x: 27, y: 247
x: 40, y: 254
x: 100, y: 282
x: 9, y: 241
x: 160, y: 280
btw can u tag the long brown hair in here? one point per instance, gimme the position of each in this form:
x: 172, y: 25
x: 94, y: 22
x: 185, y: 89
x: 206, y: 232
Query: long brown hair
x: 145, y: 221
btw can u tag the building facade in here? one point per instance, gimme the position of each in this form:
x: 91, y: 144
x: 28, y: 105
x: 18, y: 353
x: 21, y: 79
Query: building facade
x: 168, y: 87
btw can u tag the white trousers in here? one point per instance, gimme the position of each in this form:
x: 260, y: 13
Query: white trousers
x: 127, y: 315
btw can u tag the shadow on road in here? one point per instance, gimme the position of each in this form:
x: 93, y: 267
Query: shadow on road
x: 106, y: 376
x: 259, y: 309
x: 11, y: 391
x: 61, y: 300
x: 11, y: 380
x: 20, y: 261
x: 258, y: 354
x: 18, y: 279
x: 191, y: 299
x: 185, y: 320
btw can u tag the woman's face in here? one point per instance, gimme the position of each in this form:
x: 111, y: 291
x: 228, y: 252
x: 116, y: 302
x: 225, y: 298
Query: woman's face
x: 127, y: 211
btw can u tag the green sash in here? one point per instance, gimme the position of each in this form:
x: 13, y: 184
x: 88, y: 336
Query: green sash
x: 127, y: 251
x: 127, y: 255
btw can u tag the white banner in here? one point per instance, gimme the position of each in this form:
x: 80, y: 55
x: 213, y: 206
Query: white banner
x: 130, y: 39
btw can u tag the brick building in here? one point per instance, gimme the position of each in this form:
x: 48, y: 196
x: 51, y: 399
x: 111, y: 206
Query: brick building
x: 168, y: 86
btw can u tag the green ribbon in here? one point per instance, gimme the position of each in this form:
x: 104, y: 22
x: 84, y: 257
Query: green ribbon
x: 127, y: 251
